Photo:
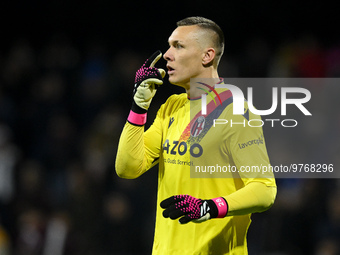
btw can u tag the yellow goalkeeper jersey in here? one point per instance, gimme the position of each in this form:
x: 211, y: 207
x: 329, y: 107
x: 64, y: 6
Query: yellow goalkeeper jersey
x: 193, y: 152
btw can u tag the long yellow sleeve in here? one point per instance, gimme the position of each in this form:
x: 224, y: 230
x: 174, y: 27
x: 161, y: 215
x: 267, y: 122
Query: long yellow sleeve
x: 137, y: 150
x: 130, y: 160
x: 254, y: 197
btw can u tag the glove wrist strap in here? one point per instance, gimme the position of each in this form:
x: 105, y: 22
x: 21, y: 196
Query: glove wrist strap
x: 222, y: 206
x: 138, y: 119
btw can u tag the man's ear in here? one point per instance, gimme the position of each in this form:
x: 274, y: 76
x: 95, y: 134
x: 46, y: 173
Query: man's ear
x: 208, y: 57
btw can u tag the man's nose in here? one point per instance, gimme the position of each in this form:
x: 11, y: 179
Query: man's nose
x: 167, y: 55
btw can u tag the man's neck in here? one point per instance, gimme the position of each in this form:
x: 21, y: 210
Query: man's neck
x: 196, y: 87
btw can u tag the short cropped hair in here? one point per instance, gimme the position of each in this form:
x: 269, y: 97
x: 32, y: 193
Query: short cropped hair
x: 208, y: 24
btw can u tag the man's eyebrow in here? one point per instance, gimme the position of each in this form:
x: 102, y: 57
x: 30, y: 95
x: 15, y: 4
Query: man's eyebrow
x: 174, y: 41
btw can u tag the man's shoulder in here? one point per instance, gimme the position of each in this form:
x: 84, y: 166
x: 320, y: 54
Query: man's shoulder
x: 175, y: 101
x: 177, y: 98
x: 172, y: 105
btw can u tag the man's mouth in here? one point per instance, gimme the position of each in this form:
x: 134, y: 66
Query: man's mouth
x: 170, y: 70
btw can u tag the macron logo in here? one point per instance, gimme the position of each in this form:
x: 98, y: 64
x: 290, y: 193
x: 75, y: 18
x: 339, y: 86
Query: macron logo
x: 171, y: 121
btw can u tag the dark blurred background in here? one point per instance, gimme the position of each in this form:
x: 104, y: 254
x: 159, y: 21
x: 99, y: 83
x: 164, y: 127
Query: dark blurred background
x: 66, y: 75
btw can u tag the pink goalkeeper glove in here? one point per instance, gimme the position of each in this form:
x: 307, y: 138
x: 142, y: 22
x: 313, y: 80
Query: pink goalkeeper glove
x: 147, y: 79
x: 194, y: 209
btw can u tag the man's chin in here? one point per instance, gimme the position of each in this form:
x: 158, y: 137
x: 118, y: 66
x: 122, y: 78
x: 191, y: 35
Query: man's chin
x: 178, y: 83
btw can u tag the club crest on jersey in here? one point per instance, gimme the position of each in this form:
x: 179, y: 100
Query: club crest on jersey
x: 198, y: 126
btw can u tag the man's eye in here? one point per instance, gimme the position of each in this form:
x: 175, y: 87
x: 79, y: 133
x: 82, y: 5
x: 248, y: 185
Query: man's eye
x: 178, y: 46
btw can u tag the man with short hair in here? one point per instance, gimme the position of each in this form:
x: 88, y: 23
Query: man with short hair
x: 181, y: 138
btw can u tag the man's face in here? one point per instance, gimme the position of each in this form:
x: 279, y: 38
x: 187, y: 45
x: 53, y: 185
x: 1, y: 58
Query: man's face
x: 184, y: 56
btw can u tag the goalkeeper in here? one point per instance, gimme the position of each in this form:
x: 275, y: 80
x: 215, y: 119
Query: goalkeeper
x: 194, y: 215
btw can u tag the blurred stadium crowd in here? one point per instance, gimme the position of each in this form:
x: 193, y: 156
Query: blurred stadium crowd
x: 62, y: 108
